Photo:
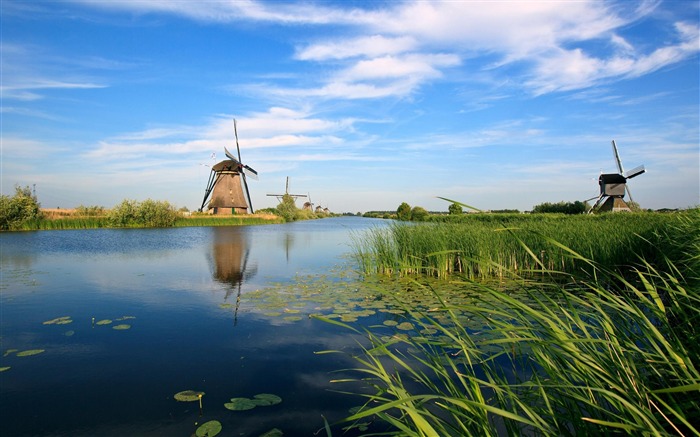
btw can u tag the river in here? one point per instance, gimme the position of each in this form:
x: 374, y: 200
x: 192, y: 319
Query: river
x: 127, y: 318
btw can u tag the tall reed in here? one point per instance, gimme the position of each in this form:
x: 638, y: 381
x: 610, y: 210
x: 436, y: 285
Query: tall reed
x: 484, y: 247
x: 596, y: 352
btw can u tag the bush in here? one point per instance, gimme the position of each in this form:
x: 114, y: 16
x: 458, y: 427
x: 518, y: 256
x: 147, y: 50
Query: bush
x: 148, y: 213
x: 18, y: 209
x: 455, y: 209
x: 577, y: 207
x: 419, y: 214
x: 90, y: 211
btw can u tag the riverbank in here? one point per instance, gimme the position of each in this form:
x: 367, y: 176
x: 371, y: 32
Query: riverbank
x: 56, y: 218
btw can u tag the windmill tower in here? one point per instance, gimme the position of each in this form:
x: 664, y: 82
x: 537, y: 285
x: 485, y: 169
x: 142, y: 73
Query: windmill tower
x: 614, y: 185
x: 226, y: 183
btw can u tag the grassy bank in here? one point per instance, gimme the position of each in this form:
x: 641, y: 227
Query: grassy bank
x: 492, y: 245
x: 599, y: 351
x: 67, y: 220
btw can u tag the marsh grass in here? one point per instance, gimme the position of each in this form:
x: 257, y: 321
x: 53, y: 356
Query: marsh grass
x: 599, y: 351
x: 485, y: 247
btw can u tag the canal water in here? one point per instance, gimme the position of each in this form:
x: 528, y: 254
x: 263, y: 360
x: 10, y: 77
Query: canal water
x: 101, y: 328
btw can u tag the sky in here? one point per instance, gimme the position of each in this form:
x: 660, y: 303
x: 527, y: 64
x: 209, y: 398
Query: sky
x: 362, y: 104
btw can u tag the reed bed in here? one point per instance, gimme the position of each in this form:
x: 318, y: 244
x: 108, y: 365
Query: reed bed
x: 210, y: 220
x: 486, y: 246
x: 596, y: 352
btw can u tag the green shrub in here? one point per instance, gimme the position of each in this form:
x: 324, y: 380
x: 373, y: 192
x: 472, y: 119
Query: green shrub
x: 18, y: 209
x: 149, y: 213
x: 419, y: 214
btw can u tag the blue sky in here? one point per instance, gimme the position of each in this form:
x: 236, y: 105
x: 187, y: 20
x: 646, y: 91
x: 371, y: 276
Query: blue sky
x: 363, y: 104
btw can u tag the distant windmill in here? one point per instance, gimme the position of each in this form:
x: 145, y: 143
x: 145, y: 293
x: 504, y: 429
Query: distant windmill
x: 286, y: 193
x: 308, y: 205
x: 614, y: 185
x: 226, y: 183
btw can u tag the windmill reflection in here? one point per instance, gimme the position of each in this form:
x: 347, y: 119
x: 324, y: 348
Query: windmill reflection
x: 230, y: 251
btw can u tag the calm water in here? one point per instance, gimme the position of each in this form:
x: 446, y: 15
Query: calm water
x: 182, y: 291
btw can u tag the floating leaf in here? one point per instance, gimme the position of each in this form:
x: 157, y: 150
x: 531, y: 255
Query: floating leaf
x: 405, y: 326
x: 390, y: 322
x: 240, y: 404
x: 30, y: 352
x: 274, y: 432
x: 266, y: 399
x: 121, y: 327
x: 209, y: 429
x: 126, y: 318
x: 188, y: 395
x: 59, y: 321
x: 225, y: 305
x: 69, y: 333
x: 10, y: 351
x: 2, y: 369
x: 104, y: 322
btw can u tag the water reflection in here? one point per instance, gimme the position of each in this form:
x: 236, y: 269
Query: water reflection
x: 230, y: 255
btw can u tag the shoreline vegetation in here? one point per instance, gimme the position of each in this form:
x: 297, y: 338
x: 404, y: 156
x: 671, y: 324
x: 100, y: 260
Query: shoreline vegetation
x: 598, y: 336
x: 22, y: 212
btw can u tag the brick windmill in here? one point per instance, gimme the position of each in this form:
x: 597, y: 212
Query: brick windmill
x: 226, y: 184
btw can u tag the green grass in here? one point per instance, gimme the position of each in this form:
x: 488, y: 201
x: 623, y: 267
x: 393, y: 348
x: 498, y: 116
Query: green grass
x: 91, y: 222
x: 594, y: 352
x: 492, y: 245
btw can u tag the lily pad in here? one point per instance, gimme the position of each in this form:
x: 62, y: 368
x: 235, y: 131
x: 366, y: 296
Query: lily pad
x: 104, y: 322
x: 405, y: 326
x: 126, y: 318
x: 30, y: 352
x: 266, y: 399
x: 188, y: 395
x: 121, y: 327
x: 240, y: 404
x: 2, y: 369
x: 274, y: 432
x: 209, y: 429
x: 10, y: 351
x: 69, y: 333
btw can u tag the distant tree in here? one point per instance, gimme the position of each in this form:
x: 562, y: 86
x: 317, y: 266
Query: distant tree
x: 455, y: 209
x: 18, y: 209
x: 419, y: 214
x: 287, y: 208
x: 403, y: 212
x: 576, y: 207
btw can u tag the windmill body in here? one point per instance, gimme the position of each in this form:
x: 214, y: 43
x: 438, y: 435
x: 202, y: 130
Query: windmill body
x: 613, y: 187
x: 226, y: 185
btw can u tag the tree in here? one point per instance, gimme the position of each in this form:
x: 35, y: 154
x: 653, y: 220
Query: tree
x: 403, y: 213
x: 419, y: 214
x: 18, y: 209
x: 455, y: 209
x: 576, y: 207
x: 287, y: 209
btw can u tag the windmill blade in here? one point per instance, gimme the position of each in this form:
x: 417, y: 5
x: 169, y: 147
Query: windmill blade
x: 231, y: 157
x: 635, y: 172
x: 250, y: 172
x: 235, y: 131
x: 245, y: 184
x: 629, y: 193
x: 617, y: 158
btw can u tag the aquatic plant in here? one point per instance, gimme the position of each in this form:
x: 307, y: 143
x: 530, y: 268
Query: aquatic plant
x: 483, y: 246
x: 209, y: 429
x: 597, y: 352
